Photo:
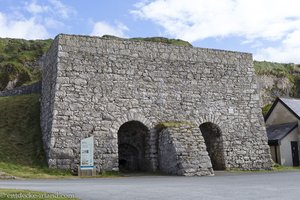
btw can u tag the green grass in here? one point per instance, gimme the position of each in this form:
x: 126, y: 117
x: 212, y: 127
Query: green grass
x: 21, y: 140
x: 176, y: 42
x: 17, y: 57
x: 277, y: 69
x: 174, y: 124
x: 40, y: 172
x: 21, y: 149
x: 33, y: 171
x: 285, y: 168
x: 296, y: 88
x: 266, y: 109
x: 288, y: 70
x: 29, y: 195
x: 275, y: 168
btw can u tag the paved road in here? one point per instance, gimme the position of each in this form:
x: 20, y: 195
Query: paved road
x: 272, y: 186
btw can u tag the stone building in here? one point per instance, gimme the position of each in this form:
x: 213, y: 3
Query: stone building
x: 151, y: 107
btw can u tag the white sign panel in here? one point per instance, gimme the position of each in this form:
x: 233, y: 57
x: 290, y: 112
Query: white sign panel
x: 87, y: 153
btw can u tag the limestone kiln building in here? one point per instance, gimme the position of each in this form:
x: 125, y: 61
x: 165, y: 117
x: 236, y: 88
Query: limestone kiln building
x: 151, y: 106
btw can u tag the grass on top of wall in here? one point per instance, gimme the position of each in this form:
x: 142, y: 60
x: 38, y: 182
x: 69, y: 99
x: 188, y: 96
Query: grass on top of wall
x: 174, y: 124
x: 164, y: 40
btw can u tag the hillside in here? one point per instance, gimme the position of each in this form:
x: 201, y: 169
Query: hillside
x: 20, y: 135
x: 277, y: 79
x: 19, y: 61
x: 21, y: 149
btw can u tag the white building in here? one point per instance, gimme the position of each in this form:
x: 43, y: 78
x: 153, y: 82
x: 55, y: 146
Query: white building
x: 283, y: 129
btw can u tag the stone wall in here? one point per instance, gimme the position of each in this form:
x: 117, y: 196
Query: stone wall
x: 27, y: 89
x: 92, y: 85
x: 49, y: 76
x: 182, y: 151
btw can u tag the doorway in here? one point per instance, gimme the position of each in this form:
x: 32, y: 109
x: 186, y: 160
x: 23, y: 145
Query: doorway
x: 131, y: 145
x: 295, y: 153
x: 214, y: 144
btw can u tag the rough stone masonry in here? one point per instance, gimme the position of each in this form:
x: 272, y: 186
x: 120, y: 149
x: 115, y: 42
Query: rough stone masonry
x: 151, y: 107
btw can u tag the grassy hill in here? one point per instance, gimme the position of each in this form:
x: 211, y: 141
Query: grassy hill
x: 21, y: 150
x: 284, y: 79
x: 281, y: 70
x: 277, y: 69
x: 20, y: 134
x: 18, y: 61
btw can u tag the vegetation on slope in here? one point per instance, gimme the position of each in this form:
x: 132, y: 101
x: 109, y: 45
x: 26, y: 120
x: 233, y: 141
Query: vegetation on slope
x: 17, y: 58
x: 276, y: 69
x: 266, y: 109
x: 21, y: 150
x: 21, y: 141
x: 290, y: 71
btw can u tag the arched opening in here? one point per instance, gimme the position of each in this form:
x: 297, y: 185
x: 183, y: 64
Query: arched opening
x: 214, y: 144
x: 131, y: 144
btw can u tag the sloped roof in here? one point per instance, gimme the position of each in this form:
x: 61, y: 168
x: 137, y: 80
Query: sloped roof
x: 277, y: 132
x: 293, y: 104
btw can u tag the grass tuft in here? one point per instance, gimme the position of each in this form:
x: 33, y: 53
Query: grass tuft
x: 266, y: 109
x: 173, y: 124
x: 164, y: 40
x: 33, y: 171
x: 278, y: 167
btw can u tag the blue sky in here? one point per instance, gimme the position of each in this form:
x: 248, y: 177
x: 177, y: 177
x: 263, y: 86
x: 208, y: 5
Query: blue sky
x: 269, y: 29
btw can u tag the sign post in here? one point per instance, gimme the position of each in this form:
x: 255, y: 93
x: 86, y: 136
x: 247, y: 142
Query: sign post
x: 86, y: 167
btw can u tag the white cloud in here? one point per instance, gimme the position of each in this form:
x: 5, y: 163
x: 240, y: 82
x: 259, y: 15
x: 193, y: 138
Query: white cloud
x: 103, y: 28
x: 253, y: 20
x: 53, y: 23
x: 199, y: 19
x: 62, y: 10
x: 34, y: 19
x: 287, y: 52
x: 51, y: 7
x: 25, y: 28
x: 34, y: 8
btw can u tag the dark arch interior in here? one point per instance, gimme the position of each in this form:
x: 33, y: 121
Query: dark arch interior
x: 214, y: 144
x: 131, y: 144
